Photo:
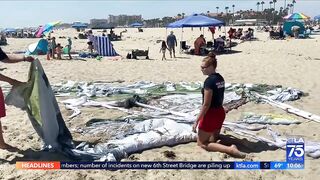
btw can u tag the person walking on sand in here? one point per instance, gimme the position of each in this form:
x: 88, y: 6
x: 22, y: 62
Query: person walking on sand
x: 90, y: 41
x: 212, y: 114
x: 49, y: 49
x: 5, y: 59
x: 163, y: 49
x: 69, y: 45
x: 53, y: 46
x: 172, y: 43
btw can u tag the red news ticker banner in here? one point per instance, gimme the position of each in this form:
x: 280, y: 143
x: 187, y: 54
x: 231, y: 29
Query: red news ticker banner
x: 41, y: 165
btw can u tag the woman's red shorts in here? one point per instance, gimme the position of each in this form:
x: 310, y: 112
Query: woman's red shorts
x: 2, y: 107
x: 212, y: 120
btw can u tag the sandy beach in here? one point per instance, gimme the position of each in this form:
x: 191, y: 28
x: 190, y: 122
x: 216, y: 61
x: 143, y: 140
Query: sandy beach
x: 290, y: 63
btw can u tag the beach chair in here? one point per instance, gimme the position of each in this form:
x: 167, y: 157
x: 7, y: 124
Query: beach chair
x: 274, y: 35
x: 137, y: 52
x: 184, y: 47
x: 209, y: 44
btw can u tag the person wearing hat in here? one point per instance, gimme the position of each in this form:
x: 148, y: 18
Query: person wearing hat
x: 172, y: 43
x: 6, y: 59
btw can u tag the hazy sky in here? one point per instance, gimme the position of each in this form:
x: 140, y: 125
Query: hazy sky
x: 15, y: 13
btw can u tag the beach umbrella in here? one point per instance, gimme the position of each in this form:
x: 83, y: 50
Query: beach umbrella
x: 47, y: 28
x: 196, y: 20
x: 136, y: 24
x: 296, y: 16
x: 79, y: 25
x: 9, y: 30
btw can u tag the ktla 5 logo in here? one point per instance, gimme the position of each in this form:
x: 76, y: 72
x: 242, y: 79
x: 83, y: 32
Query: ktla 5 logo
x: 296, y: 150
x: 296, y: 147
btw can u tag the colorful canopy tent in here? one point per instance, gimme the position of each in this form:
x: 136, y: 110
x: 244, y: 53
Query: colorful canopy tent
x: 289, y: 24
x: 296, y: 16
x: 103, y: 46
x: 136, y: 24
x: 38, y: 48
x: 196, y: 20
x: 44, y: 30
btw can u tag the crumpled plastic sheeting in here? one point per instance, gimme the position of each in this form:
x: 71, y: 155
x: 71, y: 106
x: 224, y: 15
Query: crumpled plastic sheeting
x: 188, y: 104
x: 143, y: 87
x: 277, y: 93
x: 154, y: 133
x: 107, y: 89
x: 159, y: 132
x: 252, y: 118
x: 312, y: 149
x: 288, y: 94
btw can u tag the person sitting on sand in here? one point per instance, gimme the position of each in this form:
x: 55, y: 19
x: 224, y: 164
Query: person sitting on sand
x: 198, y: 43
x: 212, y: 114
x: 59, y: 51
x: 4, y: 58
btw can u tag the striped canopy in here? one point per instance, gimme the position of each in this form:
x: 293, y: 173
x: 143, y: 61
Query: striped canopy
x: 296, y: 16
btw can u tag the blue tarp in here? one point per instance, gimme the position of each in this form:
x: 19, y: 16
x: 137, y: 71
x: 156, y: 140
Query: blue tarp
x: 136, y: 24
x: 196, y: 20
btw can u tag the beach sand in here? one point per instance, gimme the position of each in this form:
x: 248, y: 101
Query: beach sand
x: 291, y: 63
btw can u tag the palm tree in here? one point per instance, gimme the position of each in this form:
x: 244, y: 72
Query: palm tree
x: 293, y: 2
x: 274, y: 7
x: 281, y: 11
x: 262, y: 3
x: 217, y: 10
x: 270, y: 3
x: 258, y: 4
x: 179, y: 16
x: 233, y: 8
x: 233, y: 13
x: 285, y: 3
x: 291, y: 8
x: 287, y: 9
x: 226, y: 8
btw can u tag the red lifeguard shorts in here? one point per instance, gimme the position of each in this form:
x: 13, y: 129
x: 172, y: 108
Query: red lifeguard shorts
x: 212, y: 120
x: 2, y: 107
